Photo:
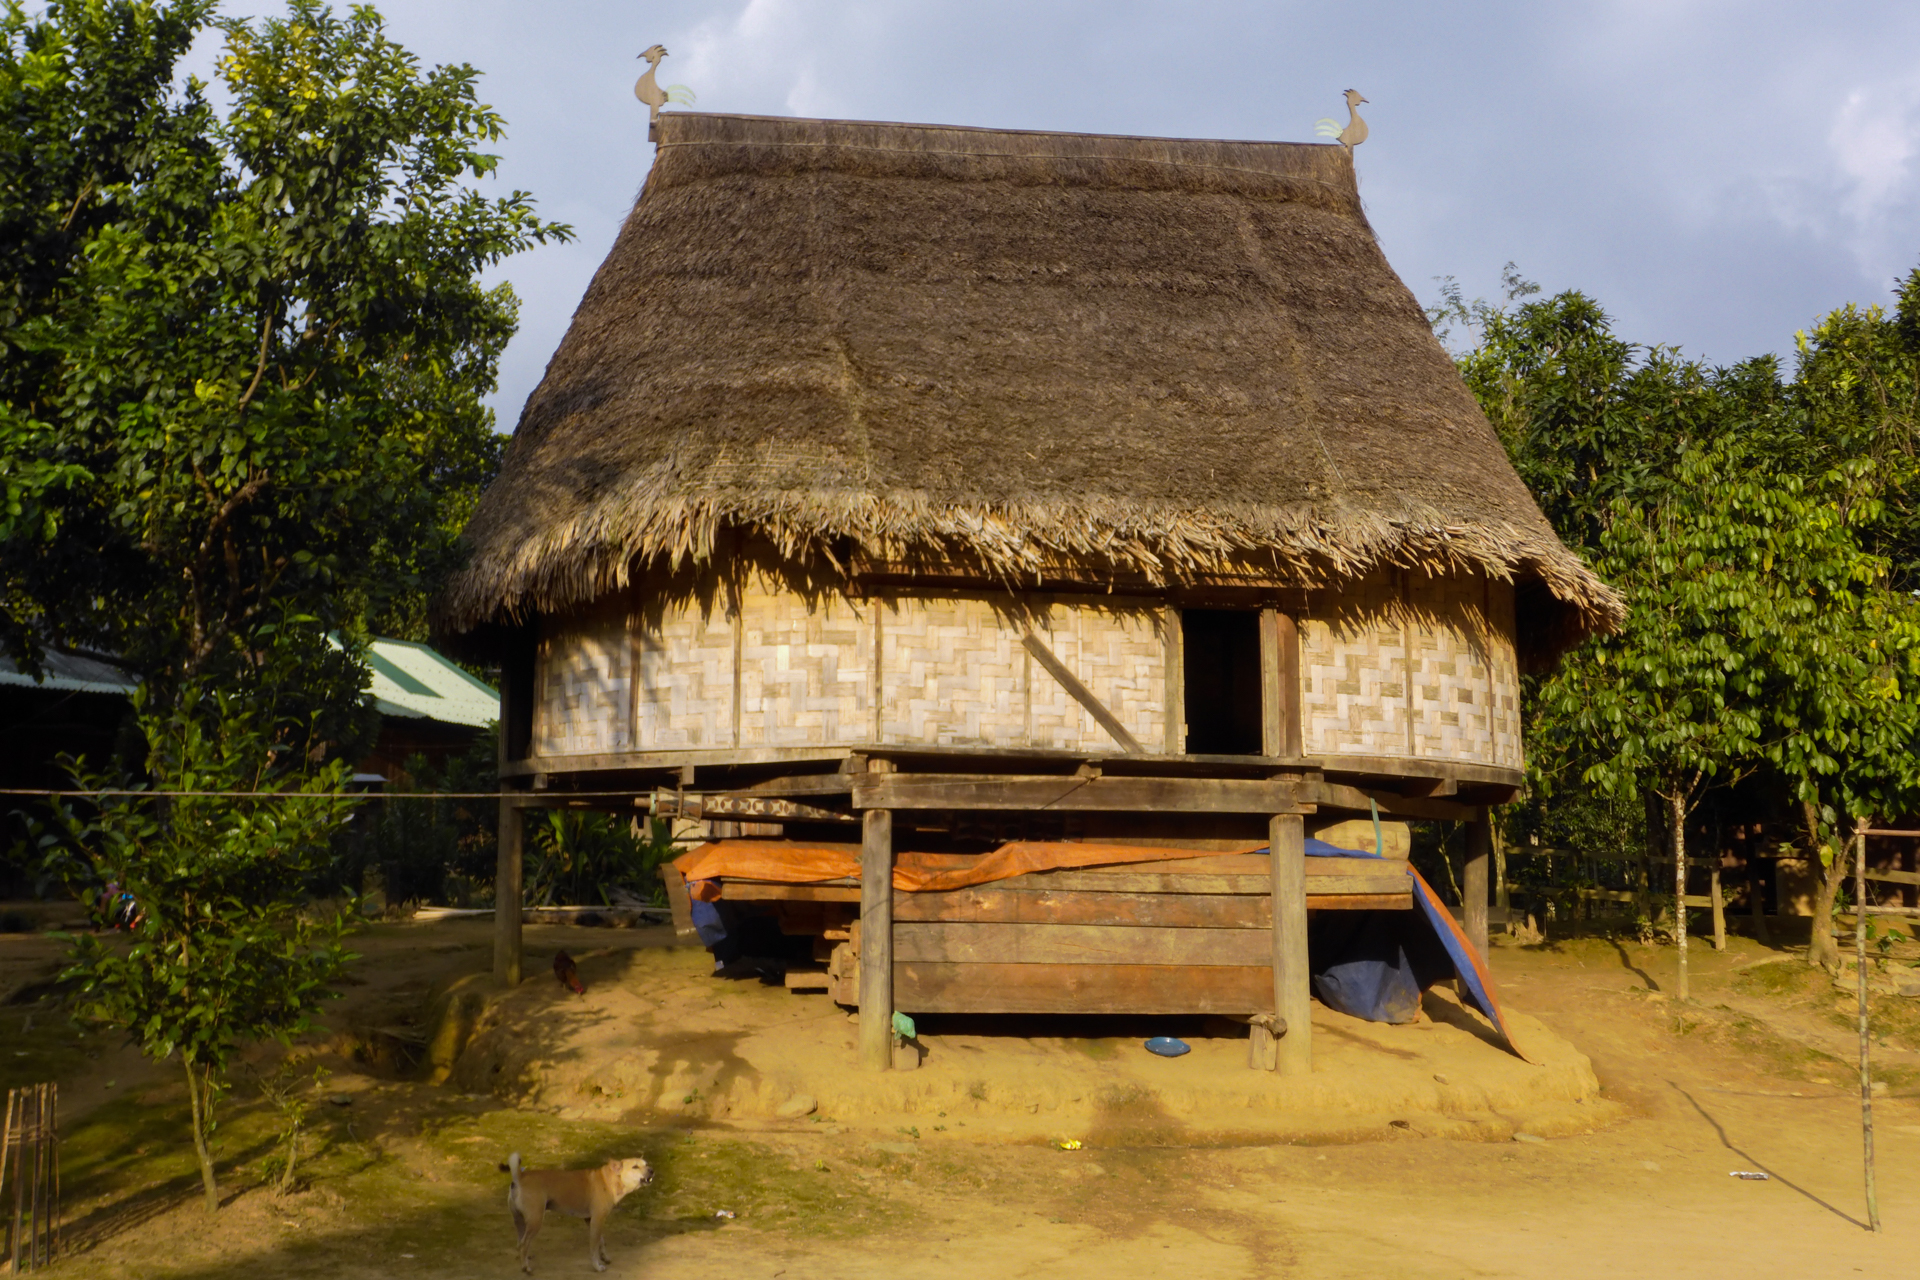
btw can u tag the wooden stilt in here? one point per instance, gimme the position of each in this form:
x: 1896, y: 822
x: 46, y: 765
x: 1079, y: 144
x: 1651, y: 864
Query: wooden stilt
x: 10, y: 1168
x: 1719, y: 904
x: 1292, y: 994
x: 1757, y: 896
x: 1473, y: 881
x: 507, y: 892
x: 876, y: 940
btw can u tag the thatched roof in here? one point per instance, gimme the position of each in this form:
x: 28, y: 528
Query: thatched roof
x: 1160, y: 357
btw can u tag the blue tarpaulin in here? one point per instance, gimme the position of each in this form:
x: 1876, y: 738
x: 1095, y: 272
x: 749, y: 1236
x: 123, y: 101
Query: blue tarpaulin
x: 1375, y: 964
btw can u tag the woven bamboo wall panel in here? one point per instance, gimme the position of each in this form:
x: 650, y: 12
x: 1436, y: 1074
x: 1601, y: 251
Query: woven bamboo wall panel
x: 805, y: 671
x: 1403, y: 666
x: 952, y: 673
x: 1503, y: 699
x: 584, y: 689
x: 1414, y: 666
x: 685, y: 694
x: 1121, y: 656
x: 1451, y: 683
x: 1353, y: 676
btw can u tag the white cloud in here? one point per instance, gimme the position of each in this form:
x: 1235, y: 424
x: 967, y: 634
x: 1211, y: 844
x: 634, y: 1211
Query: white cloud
x: 1875, y: 134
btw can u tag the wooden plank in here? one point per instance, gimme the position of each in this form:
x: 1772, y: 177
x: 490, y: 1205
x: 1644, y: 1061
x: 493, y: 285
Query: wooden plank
x: 803, y: 784
x: 1080, y: 693
x: 1287, y: 632
x: 1039, y: 906
x: 979, y: 942
x: 609, y: 760
x: 678, y: 902
x: 765, y: 891
x: 876, y: 941
x: 1463, y: 773
x: 1077, y: 794
x: 1392, y: 803
x: 1273, y: 736
x: 1149, y: 882
x: 1083, y: 988
x: 1176, y: 681
x: 1383, y: 887
x: 1360, y: 901
x: 1895, y: 877
x: 1250, y: 864
x: 1292, y: 993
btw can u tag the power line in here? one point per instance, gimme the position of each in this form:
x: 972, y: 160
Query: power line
x: 322, y: 795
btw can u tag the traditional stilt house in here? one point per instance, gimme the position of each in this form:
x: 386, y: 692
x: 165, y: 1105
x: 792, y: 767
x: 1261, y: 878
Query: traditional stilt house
x: 1003, y: 540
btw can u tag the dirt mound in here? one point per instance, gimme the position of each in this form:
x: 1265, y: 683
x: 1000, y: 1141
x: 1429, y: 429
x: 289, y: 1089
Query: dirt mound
x: 658, y: 1035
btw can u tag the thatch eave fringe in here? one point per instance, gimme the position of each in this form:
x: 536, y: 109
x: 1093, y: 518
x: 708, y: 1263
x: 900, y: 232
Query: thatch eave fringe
x: 603, y: 549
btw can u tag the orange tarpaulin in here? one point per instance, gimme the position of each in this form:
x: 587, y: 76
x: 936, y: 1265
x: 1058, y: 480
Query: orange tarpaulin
x: 792, y: 862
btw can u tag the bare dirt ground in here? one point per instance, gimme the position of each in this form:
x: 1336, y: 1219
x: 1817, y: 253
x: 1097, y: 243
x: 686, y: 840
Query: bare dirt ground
x: 400, y: 1179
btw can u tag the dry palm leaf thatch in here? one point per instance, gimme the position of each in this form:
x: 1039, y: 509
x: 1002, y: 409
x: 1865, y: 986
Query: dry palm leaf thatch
x: 1162, y: 358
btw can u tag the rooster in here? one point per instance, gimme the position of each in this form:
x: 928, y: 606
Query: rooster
x: 568, y: 972
x: 1356, y: 131
x: 649, y: 91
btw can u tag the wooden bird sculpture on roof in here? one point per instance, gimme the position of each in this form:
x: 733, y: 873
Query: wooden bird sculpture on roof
x: 648, y: 90
x: 1356, y: 131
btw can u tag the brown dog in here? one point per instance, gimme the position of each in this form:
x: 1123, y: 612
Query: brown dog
x: 581, y: 1193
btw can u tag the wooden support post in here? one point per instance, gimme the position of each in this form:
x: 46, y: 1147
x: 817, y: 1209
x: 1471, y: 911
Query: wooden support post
x: 507, y: 892
x: 1176, y: 683
x: 1279, y: 684
x: 876, y: 940
x: 1473, y: 880
x: 1292, y: 994
x: 1719, y: 905
x: 1502, y: 892
x: 1860, y: 979
x: 1757, y: 896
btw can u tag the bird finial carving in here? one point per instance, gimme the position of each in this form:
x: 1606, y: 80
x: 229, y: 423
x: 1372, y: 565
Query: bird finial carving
x: 1356, y: 131
x: 648, y: 90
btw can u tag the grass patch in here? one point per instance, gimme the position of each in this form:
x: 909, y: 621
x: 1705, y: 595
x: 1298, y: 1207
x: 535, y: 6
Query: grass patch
x: 697, y: 1178
x: 1781, y: 1055
x: 1786, y: 978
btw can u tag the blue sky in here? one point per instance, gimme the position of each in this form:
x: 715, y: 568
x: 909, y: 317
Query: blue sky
x: 1718, y: 175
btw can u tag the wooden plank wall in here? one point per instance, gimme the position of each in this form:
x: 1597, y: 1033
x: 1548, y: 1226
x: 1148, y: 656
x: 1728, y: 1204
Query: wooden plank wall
x: 1182, y: 936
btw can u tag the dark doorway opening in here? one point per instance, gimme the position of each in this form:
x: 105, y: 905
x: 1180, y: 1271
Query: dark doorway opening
x: 1222, y: 681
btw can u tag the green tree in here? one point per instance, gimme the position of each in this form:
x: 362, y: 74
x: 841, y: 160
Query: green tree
x: 1855, y: 401
x: 242, y: 355
x: 248, y: 380
x: 218, y: 952
x: 1589, y: 419
x: 1677, y: 700
x: 1845, y: 659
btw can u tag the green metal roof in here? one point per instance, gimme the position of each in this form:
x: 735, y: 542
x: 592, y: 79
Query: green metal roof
x: 413, y: 681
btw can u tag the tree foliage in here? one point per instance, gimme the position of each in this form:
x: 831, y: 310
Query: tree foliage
x: 1760, y: 528
x: 245, y: 352
x: 242, y: 355
x: 218, y: 951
